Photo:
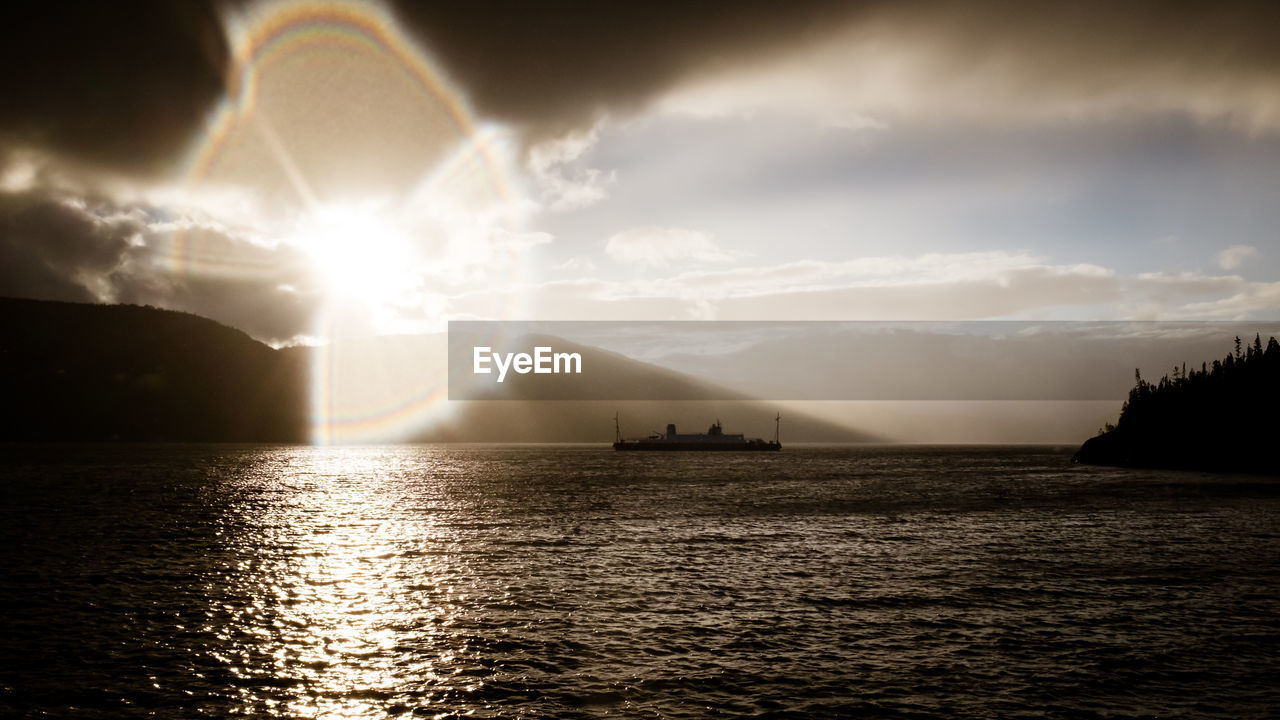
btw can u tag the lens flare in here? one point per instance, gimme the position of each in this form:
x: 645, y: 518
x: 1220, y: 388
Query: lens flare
x: 383, y: 240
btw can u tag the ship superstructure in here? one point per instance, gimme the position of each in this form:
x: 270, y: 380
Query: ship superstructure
x: 715, y: 438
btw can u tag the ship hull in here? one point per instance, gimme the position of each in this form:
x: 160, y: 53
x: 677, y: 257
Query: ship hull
x: 665, y: 446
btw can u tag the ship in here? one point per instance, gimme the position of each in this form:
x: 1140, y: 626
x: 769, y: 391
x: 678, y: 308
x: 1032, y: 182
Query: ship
x: 715, y: 438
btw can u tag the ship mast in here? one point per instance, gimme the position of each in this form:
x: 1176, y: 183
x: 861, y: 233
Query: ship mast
x: 617, y: 428
x: 777, y: 427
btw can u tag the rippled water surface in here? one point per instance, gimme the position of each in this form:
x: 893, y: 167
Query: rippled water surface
x: 568, y: 582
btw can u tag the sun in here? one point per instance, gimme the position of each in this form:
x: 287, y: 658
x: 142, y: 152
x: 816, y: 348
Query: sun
x: 358, y: 252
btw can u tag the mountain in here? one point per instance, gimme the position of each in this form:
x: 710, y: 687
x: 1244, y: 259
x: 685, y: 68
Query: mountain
x: 72, y: 371
x: 368, y: 378
x: 77, y: 372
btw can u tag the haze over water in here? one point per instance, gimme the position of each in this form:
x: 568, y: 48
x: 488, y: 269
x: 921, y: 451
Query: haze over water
x: 574, y: 582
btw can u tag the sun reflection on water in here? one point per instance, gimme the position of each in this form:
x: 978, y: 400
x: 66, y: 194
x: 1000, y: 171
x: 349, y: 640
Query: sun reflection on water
x: 342, y: 602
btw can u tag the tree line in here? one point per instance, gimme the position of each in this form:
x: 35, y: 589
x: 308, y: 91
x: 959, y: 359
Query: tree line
x: 1224, y: 415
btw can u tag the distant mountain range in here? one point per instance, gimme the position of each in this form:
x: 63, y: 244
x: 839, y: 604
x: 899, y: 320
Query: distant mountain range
x: 78, y: 372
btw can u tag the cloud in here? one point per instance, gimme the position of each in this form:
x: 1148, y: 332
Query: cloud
x: 1254, y: 299
x: 850, y: 63
x: 119, y: 84
x: 58, y: 247
x: 663, y: 247
x: 52, y: 249
x: 577, y: 266
x: 127, y: 85
x: 559, y: 67
x: 1234, y: 256
x: 996, y: 63
x: 564, y: 183
x: 936, y: 286
x: 1000, y: 269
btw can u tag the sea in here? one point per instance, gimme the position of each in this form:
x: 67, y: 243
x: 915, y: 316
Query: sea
x: 551, y: 581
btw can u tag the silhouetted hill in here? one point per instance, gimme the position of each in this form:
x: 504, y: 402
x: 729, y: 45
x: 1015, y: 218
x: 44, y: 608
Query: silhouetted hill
x: 1219, y: 417
x: 370, y: 376
x: 77, y: 372
x: 539, y: 408
x: 103, y: 372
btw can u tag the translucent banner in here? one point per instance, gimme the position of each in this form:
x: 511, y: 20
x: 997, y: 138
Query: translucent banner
x: 693, y: 360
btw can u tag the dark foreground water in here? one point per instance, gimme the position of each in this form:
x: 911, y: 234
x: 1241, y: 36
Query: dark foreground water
x: 554, y: 582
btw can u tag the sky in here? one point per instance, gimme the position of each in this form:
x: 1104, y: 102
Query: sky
x: 301, y: 170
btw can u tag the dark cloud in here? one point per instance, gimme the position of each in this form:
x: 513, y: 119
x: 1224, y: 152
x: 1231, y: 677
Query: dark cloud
x: 127, y: 83
x: 553, y: 66
x: 57, y: 248
x: 52, y: 250
x: 116, y: 83
x: 1211, y: 50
